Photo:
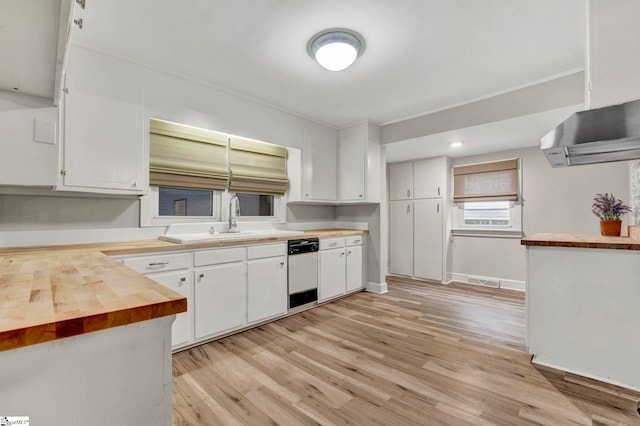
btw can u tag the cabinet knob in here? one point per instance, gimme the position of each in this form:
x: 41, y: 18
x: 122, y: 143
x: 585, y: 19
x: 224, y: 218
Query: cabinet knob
x: 201, y: 276
x: 182, y: 279
x: 81, y: 3
x: 349, y: 252
x: 281, y: 263
x: 341, y: 254
x: 78, y: 22
x: 306, y: 195
x: 360, y: 195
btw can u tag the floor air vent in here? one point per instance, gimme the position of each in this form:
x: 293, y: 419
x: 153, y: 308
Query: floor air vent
x: 483, y: 281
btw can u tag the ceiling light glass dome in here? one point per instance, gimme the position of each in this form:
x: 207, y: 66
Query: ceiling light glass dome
x: 336, y: 49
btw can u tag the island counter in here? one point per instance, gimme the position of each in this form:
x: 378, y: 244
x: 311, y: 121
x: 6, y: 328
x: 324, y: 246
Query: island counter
x: 582, y: 296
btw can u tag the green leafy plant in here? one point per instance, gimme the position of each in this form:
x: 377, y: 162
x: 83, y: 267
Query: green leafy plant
x: 608, y: 207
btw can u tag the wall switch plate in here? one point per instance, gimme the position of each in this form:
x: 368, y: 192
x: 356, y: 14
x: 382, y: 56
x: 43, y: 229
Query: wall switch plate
x: 44, y: 131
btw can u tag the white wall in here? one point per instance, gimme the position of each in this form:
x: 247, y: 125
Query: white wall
x: 555, y: 200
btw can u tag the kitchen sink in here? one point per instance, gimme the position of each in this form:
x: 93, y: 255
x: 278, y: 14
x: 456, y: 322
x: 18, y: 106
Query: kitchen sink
x: 203, y: 237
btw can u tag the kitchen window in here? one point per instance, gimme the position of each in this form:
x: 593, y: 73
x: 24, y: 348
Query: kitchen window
x: 487, y: 199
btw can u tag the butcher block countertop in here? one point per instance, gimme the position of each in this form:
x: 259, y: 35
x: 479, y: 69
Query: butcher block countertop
x: 53, y: 292
x: 582, y: 241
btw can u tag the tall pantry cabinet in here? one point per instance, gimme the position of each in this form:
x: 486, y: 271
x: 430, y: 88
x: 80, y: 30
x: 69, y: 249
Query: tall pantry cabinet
x: 418, y: 211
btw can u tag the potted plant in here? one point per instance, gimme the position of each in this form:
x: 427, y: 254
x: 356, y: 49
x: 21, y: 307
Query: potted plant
x: 609, y: 209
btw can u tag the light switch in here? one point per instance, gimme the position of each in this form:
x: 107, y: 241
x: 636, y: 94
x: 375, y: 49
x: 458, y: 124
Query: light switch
x: 44, y: 131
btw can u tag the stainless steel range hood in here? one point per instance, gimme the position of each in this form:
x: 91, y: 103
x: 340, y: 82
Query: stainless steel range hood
x: 595, y: 136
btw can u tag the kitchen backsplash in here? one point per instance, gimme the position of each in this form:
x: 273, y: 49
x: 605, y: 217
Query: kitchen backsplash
x: 634, y: 190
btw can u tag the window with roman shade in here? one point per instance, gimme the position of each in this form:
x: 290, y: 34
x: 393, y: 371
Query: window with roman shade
x: 495, y: 181
x: 257, y: 167
x: 187, y: 157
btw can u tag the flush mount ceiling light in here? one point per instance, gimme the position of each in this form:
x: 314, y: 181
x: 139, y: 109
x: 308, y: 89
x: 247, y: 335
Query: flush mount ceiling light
x: 336, y: 49
x: 456, y: 144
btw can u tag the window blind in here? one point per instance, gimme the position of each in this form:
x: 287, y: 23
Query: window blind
x: 486, y: 182
x: 257, y: 167
x: 187, y: 157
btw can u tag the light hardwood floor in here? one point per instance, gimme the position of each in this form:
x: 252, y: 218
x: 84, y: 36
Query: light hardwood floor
x: 421, y: 354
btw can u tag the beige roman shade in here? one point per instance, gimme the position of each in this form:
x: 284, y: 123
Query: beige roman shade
x: 257, y: 167
x: 496, y: 181
x: 187, y: 157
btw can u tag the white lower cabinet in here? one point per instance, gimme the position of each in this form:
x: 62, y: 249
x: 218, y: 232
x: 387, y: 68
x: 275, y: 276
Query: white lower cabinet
x: 428, y: 242
x: 221, y: 299
x: 180, y: 282
x: 267, y: 282
x: 341, y: 266
x: 332, y: 274
x: 354, y: 268
x: 401, y: 237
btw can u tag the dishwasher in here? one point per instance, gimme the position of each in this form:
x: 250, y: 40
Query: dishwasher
x: 303, y: 271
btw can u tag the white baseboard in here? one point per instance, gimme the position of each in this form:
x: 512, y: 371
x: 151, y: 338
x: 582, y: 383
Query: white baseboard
x: 380, y: 288
x: 589, y: 376
x: 477, y: 279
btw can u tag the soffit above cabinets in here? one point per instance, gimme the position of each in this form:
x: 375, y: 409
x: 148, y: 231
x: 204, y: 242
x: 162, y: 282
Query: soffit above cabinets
x: 421, y: 56
x: 29, y: 46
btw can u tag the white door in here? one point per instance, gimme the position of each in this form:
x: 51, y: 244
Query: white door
x: 180, y: 282
x: 103, y: 140
x: 332, y: 274
x: 267, y: 288
x: 428, y: 239
x: 354, y: 268
x: 400, y: 181
x: 429, y: 177
x: 401, y: 237
x: 220, y: 298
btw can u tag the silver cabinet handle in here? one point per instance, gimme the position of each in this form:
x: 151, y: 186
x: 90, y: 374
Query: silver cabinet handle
x: 333, y: 244
x: 408, y: 193
x: 158, y: 263
x: 182, y: 279
x: 438, y: 190
x: 409, y: 209
x: 438, y: 208
x: 356, y: 241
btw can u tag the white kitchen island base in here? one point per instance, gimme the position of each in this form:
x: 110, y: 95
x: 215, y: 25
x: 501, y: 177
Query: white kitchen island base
x: 116, y: 376
x: 582, y: 311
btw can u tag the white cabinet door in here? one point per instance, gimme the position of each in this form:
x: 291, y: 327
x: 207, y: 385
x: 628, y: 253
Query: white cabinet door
x: 352, y: 156
x: 180, y: 282
x: 220, y: 298
x: 429, y: 177
x: 319, y: 172
x: 428, y: 239
x: 401, y: 237
x: 332, y: 274
x: 355, y: 268
x: 103, y: 141
x: 400, y: 181
x: 267, y: 288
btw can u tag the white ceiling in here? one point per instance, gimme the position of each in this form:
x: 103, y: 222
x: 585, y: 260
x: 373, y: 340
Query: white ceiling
x: 421, y: 55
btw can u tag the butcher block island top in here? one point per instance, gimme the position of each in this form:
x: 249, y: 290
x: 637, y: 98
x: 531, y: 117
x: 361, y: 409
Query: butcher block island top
x: 53, y: 292
x: 582, y: 241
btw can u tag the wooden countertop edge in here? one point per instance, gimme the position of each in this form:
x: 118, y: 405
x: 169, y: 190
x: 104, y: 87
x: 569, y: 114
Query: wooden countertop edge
x: 581, y: 241
x: 34, y: 334
x: 59, y: 329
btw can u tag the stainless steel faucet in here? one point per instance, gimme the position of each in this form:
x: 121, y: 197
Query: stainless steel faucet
x: 233, y: 224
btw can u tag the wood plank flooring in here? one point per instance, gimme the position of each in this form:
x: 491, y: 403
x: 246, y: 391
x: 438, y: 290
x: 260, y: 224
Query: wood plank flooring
x: 422, y: 354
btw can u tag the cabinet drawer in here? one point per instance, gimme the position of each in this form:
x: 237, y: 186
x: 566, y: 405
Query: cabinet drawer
x: 355, y: 240
x: 215, y: 257
x: 158, y: 263
x: 331, y: 243
x: 266, y: 250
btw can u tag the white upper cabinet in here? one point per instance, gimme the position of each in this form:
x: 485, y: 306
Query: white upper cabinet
x: 359, y: 163
x: 401, y: 181
x: 429, y: 178
x: 102, y: 132
x: 313, y: 173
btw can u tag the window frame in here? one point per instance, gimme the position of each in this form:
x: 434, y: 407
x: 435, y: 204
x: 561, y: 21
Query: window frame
x: 279, y: 210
